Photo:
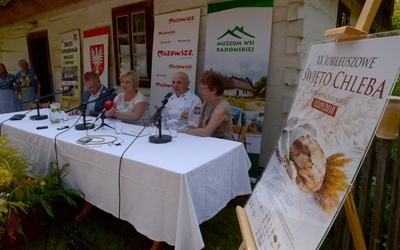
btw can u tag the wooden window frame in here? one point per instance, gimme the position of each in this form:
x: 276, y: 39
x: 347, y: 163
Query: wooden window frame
x: 128, y: 10
x: 343, y: 13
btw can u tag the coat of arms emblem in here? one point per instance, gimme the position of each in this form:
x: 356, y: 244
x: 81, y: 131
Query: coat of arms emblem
x: 97, y: 58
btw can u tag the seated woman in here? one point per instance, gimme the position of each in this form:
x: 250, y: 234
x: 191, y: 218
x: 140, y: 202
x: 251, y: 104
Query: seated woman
x: 216, y: 114
x: 130, y: 106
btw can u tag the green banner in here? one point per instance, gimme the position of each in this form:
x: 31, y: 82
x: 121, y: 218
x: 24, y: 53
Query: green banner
x: 216, y: 7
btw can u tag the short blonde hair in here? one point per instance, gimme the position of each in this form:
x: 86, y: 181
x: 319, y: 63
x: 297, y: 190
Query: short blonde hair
x: 133, y: 75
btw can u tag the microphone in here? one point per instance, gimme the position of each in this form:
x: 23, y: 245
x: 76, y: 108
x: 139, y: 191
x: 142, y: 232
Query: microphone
x: 68, y: 88
x: 108, y: 91
x: 166, y: 97
x: 107, y: 106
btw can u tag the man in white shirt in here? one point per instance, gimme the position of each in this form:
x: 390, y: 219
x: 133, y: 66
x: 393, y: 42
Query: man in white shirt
x: 183, y: 107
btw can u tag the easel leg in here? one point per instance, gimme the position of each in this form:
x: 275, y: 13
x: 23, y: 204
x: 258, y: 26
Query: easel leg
x: 354, y: 223
x: 248, y: 242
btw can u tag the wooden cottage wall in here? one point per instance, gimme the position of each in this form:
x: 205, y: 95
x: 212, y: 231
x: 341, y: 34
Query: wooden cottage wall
x: 296, y: 23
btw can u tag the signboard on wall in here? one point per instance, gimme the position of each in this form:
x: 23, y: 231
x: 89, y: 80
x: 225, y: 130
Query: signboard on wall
x: 95, y: 52
x: 71, y: 66
x: 174, y: 49
x: 342, y: 93
x: 239, y: 49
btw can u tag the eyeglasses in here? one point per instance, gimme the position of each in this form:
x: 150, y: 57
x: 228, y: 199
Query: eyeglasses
x: 202, y: 88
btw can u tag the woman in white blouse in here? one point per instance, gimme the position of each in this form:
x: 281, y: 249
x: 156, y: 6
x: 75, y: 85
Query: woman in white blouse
x: 130, y: 105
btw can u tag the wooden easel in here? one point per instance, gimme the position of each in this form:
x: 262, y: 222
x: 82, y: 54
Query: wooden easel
x: 341, y: 34
x: 248, y: 242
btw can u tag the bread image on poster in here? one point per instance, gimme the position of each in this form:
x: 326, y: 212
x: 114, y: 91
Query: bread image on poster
x: 306, y: 163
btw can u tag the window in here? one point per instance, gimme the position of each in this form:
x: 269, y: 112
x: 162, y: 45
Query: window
x: 343, y: 17
x: 133, y: 39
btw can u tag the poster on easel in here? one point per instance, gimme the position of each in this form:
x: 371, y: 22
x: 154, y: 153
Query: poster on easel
x: 340, y: 99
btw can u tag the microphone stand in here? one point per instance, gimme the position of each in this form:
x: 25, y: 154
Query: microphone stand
x: 157, y: 115
x: 103, y: 123
x: 38, y: 116
x: 37, y: 102
x: 84, y: 126
x: 82, y: 107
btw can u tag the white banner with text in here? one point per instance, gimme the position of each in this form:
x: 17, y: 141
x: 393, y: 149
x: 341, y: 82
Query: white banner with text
x: 174, y: 49
x: 71, y: 66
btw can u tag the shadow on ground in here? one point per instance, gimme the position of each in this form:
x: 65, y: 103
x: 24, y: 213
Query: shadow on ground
x: 101, y: 230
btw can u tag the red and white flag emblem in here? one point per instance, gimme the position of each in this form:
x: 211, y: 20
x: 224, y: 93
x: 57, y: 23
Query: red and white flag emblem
x: 97, y: 58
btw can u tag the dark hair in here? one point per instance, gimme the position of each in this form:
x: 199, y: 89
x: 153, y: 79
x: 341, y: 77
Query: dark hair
x: 90, y: 75
x: 214, y: 81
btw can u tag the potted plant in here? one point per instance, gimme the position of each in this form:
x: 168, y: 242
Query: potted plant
x: 23, y: 193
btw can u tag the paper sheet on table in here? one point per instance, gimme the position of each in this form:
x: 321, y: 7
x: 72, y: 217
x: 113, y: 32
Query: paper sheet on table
x: 136, y: 131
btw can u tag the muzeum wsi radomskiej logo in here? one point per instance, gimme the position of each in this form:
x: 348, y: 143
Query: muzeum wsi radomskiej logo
x: 244, y: 41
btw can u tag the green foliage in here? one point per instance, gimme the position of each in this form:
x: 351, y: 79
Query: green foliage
x: 13, y: 164
x: 396, y: 16
x: 20, y: 193
x: 260, y: 87
x: 396, y: 89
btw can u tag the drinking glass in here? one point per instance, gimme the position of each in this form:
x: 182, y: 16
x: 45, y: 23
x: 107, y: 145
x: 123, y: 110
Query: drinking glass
x: 173, y: 131
x: 118, y: 126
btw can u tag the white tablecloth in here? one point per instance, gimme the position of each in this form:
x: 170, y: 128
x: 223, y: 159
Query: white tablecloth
x: 166, y: 190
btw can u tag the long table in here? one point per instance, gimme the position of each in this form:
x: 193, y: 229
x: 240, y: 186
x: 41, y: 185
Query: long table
x: 164, y: 190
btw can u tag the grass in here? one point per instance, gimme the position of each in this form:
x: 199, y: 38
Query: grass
x: 101, y: 230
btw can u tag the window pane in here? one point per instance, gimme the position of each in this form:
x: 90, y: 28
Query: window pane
x: 140, y: 45
x: 123, y: 43
x: 138, y: 22
x: 122, y: 25
x: 125, y: 62
x: 141, y: 65
x: 140, y: 39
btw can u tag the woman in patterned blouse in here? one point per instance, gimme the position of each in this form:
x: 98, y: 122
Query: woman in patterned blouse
x: 8, y: 101
x: 131, y: 105
x: 28, y: 84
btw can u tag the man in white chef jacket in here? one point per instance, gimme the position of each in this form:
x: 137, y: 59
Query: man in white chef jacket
x: 183, y: 107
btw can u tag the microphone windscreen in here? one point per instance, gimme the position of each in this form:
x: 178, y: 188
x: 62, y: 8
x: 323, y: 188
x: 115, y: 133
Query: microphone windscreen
x: 108, y: 105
